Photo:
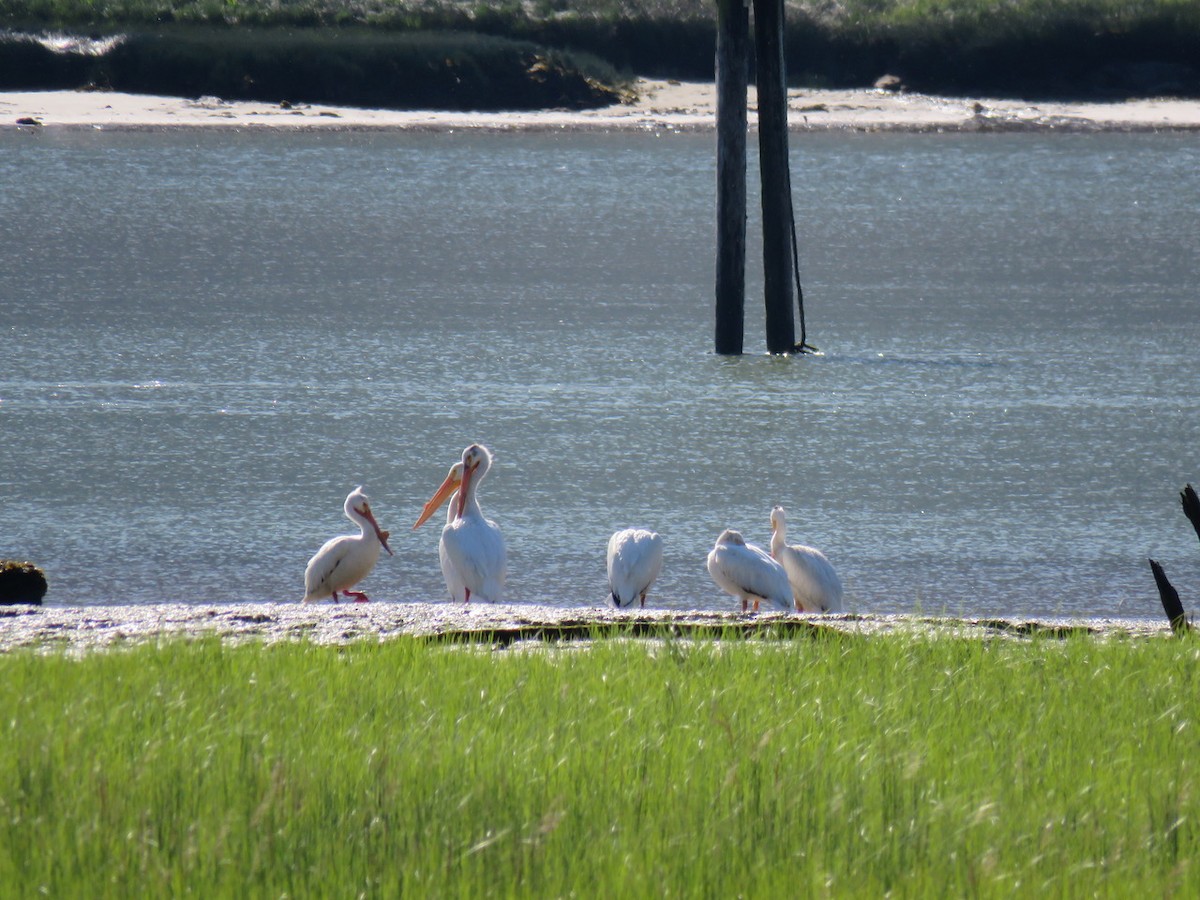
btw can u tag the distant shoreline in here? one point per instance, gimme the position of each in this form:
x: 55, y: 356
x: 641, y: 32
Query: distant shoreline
x: 662, y: 106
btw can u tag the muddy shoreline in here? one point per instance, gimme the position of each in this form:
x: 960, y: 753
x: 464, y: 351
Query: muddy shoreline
x: 82, y: 628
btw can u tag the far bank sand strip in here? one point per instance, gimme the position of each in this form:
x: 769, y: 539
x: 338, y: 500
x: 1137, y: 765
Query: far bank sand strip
x: 662, y: 106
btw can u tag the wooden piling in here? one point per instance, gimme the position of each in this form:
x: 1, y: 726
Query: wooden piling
x: 733, y: 45
x: 773, y: 170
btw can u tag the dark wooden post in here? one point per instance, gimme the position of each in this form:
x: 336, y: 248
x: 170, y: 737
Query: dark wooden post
x: 1171, y: 603
x: 733, y: 46
x: 1190, y: 501
x: 776, y: 183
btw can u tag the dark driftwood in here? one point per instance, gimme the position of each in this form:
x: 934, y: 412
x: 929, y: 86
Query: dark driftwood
x: 640, y: 628
x: 733, y: 50
x: 770, y: 629
x: 1171, y: 603
x: 1191, y: 507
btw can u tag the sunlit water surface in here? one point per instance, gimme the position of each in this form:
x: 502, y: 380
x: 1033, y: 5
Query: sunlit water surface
x: 210, y: 338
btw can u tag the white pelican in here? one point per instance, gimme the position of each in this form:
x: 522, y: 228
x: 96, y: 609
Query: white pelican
x: 634, y: 561
x: 815, y: 585
x: 748, y: 572
x: 472, y: 548
x: 345, y: 561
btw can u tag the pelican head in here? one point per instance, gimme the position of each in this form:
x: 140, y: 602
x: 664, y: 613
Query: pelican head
x: 358, y: 509
x: 778, y: 518
x: 730, y: 536
x: 476, y: 460
x: 452, y: 483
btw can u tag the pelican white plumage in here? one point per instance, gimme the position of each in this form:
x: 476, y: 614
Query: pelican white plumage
x: 343, y: 562
x: 634, y: 561
x: 815, y: 584
x: 748, y: 572
x: 472, y: 552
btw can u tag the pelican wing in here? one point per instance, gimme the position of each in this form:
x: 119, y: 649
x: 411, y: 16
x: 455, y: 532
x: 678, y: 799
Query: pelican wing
x: 815, y: 585
x: 474, y: 551
x: 454, y: 582
x: 341, y: 563
x: 323, y: 566
x: 744, y: 570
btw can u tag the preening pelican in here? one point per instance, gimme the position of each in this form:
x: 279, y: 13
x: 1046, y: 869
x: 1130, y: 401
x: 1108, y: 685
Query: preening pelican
x: 471, y: 549
x: 748, y: 572
x: 634, y: 561
x: 345, y: 561
x: 815, y: 585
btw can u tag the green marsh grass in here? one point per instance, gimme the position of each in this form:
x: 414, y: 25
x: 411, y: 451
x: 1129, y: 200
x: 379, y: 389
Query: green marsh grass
x: 711, y: 768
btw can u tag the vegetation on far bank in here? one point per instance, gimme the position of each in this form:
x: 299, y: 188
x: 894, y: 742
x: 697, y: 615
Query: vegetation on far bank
x: 348, y: 67
x: 835, y: 765
x: 917, y: 19
x: 1066, y: 47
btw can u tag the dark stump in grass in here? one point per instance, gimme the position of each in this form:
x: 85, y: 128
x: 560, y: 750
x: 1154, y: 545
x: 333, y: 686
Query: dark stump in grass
x: 21, y: 582
x: 1171, y: 603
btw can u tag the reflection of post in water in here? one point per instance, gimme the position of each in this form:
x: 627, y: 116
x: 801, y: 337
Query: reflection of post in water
x: 1172, y: 605
x: 780, y: 256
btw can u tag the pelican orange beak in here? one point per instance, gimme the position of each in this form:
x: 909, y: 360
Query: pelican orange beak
x: 468, y: 471
x: 441, y: 495
x: 383, y: 536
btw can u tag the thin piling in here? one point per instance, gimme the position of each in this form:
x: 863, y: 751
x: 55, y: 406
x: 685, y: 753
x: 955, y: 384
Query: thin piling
x: 773, y: 171
x: 733, y: 45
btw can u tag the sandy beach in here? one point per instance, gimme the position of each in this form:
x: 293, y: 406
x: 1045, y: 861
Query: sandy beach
x: 661, y: 106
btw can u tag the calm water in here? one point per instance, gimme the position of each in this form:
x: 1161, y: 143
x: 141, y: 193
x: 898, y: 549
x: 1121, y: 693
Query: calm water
x: 209, y: 339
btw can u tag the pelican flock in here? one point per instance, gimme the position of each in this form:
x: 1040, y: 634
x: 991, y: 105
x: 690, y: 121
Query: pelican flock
x: 634, y: 561
x: 816, y: 587
x: 472, y: 551
x: 474, y: 563
x: 342, y: 562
